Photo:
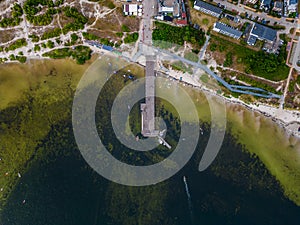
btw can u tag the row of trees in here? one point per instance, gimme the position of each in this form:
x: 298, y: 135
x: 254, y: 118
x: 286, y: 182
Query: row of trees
x: 177, y: 35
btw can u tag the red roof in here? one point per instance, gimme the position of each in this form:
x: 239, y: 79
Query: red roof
x: 183, y: 22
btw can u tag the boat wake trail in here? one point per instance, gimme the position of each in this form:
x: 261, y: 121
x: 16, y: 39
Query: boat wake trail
x: 189, y: 199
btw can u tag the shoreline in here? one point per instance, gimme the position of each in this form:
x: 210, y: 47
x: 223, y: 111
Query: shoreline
x: 282, y: 117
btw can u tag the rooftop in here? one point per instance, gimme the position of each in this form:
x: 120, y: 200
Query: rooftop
x: 264, y: 32
x: 228, y: 29
x: 207, y: 6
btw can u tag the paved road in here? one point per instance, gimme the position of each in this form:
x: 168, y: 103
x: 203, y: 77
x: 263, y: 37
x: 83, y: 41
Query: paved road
x: 203, y: 49
x: 297, y: 51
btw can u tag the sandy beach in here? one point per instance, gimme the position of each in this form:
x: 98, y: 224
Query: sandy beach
x: 288, y: 119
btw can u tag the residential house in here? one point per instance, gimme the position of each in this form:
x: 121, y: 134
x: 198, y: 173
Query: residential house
x: 227, y: 30
x: 208, y: 8
x: 278, y: 7
x: 266, y: 4
x: 261, y: 32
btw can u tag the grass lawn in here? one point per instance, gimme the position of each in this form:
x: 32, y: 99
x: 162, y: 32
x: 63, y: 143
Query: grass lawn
x: 203, y: 20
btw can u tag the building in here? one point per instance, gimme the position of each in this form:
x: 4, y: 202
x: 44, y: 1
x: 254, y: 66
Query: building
x: 182, y: 20
x: 278, y: 7
x: 253, y: 2
x: 208, y: 8
x: 169, y: 6
x: 172, y: 11
x: 261, y: 32
x: 130, y: 9
x: 292, y: 6
x: 227, y: 30
x: 265, y: 4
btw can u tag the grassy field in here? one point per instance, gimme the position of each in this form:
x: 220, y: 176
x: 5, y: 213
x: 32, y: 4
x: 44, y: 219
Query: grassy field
x: 204, y: 20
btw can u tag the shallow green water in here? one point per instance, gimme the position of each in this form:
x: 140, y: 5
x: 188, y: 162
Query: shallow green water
x: 60, y: 188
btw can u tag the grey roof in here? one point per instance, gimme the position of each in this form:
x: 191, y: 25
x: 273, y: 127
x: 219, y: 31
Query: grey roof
x: 209, y: 7
x: 266, y: 2
x: 228, y: 29
x: 251, y: 40
x: 278, y: 4
x: 264, y: 32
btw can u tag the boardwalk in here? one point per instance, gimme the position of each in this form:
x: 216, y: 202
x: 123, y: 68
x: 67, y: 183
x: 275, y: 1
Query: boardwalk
x: 148, y: 108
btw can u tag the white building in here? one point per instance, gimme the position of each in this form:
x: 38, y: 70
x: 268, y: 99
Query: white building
x: 130, y: 9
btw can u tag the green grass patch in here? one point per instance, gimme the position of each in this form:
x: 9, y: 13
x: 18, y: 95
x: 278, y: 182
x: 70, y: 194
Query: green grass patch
x: 80, y: 53
x: 191, y: 56
x: 269, y: 66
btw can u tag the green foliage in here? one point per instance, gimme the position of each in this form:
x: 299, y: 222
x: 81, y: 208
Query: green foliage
x: 213, y: 47
x: 34, y: 38
x: 73, y: 13
x: 191, y: 56
x: 119, y: 34
x: 125, y: 28
x: 130, y: 38
x: 31, y: 8
x: 37, y: 48
x: 15, y: 20
x: 177, y: 35
x: 21, y: 59
x: 17, y: 44
x: 89, y: 36
x: 50, y: 44
x: 79, y: 53
x: 269, y: 66
x: 228, y: 60
x: 106, y: 41
x: 51, y: 34
x: 180, y: 66
x: 111, y: 5
x: 258, y: 84
x: 205, y: 21
x: 72, y: 27
x: 17, y: 11
x: 12, y: 57
x: 74, y: 38
x: 196, y: 51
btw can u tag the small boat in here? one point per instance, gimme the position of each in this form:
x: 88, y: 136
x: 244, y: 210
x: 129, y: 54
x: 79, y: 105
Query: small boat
x: 184, y: 178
